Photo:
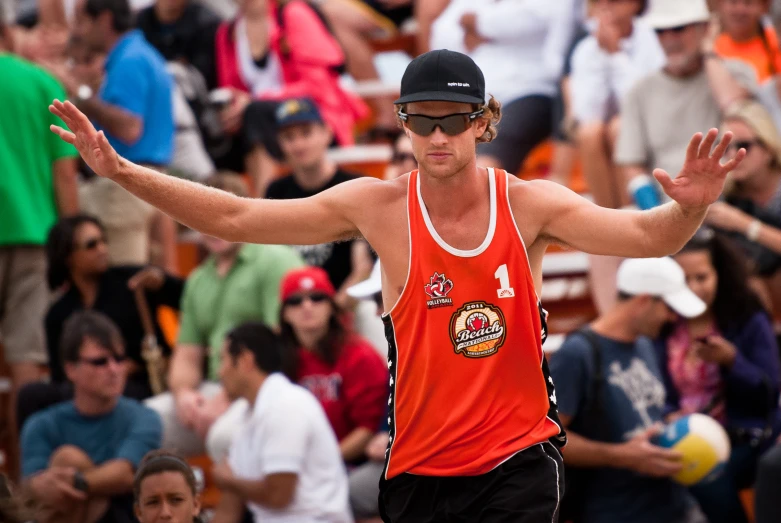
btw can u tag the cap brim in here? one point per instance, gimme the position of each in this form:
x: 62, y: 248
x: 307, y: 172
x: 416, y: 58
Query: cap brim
x: 670, y: 21
x: 364, y: 289
x: 685, y: 303
x: 439, y: 96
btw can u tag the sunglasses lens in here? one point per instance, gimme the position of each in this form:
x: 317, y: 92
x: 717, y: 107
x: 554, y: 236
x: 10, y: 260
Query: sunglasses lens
x: 421, y: 125
x: 452, y: 125
x: 318, y: 298
x: 295, y: 301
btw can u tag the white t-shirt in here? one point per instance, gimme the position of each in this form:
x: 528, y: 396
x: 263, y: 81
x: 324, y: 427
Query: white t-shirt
x: 288, y: 431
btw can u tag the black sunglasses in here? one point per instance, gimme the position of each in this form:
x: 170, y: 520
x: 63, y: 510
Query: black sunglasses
x: 298, y: 299
x: 675, y: 30
x: 403, y: 157
x: 103, y: 360
x: 451, y: 125
x: 744, y: 144
x: 92, y: 243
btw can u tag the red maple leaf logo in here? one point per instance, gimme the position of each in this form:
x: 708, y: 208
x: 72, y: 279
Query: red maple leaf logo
x: 439, y: 286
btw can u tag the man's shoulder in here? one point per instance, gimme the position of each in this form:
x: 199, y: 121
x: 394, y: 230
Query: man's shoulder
x: 25, y: 72
x: 48, y: 418
x: 138, y: 52
x: 135, y: 410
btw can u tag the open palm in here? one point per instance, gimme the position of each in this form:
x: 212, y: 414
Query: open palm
x: 701, y: 179
x: 91, y: 144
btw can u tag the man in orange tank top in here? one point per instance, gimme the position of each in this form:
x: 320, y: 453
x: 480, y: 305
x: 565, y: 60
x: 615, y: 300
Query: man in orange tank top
x: 473, y: 422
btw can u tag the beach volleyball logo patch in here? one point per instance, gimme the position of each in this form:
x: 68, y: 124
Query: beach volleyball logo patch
x: 438, y: 287
x: 477, y: 330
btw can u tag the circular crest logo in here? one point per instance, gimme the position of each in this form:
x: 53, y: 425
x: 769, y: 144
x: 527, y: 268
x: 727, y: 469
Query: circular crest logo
x: 477, y: 330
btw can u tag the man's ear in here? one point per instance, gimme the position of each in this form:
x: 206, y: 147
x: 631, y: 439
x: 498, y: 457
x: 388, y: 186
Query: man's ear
x: 70, y: 370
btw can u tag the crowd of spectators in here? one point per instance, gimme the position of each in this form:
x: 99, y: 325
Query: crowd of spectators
x: 273, y: 368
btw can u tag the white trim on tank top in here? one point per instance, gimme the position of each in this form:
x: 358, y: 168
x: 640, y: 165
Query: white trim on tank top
x: 491, y: 222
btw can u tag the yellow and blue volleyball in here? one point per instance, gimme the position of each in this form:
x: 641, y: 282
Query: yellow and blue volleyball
x: 704, y: 444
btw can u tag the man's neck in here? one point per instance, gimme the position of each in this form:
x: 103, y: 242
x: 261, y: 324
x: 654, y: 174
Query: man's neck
x: 253, y: 388
x: 224, y: 261
x: 454, y: 195
x: 87, y: 405
x: 112, y: 40
x: 694, y: 68
x: 309, y: 339
x: 616, y: 324
x: 315, y: 177
x: 167, y: 14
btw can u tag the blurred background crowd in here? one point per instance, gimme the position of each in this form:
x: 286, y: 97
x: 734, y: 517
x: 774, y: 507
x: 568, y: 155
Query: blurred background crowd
x: 123, y: 332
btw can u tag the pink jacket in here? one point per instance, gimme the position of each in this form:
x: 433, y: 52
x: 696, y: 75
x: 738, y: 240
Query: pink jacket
x: 308, y: 54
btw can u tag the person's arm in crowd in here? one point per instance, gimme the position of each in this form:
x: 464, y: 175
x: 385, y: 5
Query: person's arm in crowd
x: 559, y: 38
x: 124, y: 125
x: 162, y: 288
x: 230, y: 508
x: 361, y: 263
x: 275, y: 491
x: 729, y: 218
x: 112, y: 478
x: 326, y: 217
x: 725, y: 87
x: 66, y: 189
x: 163, y: 235
x: 426, y: 12
x: 661, y: 231
x: 186, y: 367
x: 589, y: 82
x: 365, y: 386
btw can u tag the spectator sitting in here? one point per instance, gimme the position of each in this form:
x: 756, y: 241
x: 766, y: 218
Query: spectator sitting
x: 38, y: 183
x: 364, y: 479
x: 690, y: 94
x: 78, y: 457
x: 165, y: 489
x: 746, y: 36
x: 284, y: 461
x: 605, y: 66
x: 304, y: 138
x: 182, y: 31
x: 507, y: 40
x: 751, y: 212
x: 343, y: 371
x: 625, y: 477
x: 257, y: 58
x: 78, y: 266
x: 237, y: 283
x: 402, y: 160
x: 724, y: 363
x: 134, y: 108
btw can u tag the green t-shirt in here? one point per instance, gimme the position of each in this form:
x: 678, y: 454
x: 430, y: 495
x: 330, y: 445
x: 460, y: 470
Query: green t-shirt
x: 28, y: 207
x: 213, y: 305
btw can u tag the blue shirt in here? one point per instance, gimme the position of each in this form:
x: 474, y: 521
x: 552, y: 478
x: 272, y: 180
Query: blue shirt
x: 137, y: 81
x: 633, y: 399
x: 129, y: 432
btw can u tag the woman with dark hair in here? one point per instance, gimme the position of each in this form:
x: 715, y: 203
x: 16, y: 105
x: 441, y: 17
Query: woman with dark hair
x: 724, y: 363
x: 166, y: 489
x: 342, y: 370
x: 79, y: 268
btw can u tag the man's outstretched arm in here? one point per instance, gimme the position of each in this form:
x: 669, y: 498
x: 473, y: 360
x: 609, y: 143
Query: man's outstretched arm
x: 658, y: 232
x: 319, y: 219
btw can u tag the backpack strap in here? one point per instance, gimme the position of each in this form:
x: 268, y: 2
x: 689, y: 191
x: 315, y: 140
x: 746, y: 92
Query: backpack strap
x: 594, y: 406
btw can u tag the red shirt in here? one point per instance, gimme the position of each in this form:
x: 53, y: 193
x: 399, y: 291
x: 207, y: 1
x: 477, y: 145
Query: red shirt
x: 470, y: 386
x: 354, y: 391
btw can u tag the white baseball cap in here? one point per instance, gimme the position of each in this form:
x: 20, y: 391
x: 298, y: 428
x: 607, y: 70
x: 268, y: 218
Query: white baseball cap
x: 368, y: 287
x: 663, y: 278
x: 666, y: 14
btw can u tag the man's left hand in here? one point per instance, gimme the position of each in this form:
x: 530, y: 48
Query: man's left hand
x: 222, y: 475
x: 716, y: 350
x: 150, y: 278
x: 701, y: 180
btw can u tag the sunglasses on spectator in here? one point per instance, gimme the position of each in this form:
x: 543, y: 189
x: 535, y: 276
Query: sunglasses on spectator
x: 92, y: 243
x: 743, y: 144
x: 675, y: 30
x: 298, y: 299
x: 102, y: 361
x: 451, y: 125
x: 402, y: 157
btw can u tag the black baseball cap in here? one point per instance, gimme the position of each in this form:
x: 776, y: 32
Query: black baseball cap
x: 442, y: 76
x: 297, y: 111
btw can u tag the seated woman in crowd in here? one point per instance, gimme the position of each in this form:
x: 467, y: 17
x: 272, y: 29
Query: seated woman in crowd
x: 402, y: 159
x: 724, y: 363
x: 275, y: 51
x: 165, y: 489
x: 750, y: 214
x: 78, y: 268
x: 342, y: 370
x: 746, y: 34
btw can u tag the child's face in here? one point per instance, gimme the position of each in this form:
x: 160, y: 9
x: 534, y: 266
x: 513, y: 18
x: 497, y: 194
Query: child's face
x: 620, y: 11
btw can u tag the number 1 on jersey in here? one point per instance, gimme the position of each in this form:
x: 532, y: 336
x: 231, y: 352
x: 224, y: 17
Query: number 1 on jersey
x: 504, y: 290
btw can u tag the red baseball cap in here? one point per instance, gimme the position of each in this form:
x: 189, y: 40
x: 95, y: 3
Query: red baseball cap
x: 306, y: 279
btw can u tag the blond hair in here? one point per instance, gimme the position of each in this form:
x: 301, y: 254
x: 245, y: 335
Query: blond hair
x: 492, y: 111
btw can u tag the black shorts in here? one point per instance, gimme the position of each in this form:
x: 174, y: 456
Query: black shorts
x: 524, y: 489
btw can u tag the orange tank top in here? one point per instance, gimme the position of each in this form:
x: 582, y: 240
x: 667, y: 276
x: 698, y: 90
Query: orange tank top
x: 469, y: 384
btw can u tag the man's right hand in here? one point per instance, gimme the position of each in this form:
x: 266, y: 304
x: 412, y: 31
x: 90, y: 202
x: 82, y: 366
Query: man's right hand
x: 189, y: 402
x: 92, y: 145
x: 643, y: 457
x: 54, y: 487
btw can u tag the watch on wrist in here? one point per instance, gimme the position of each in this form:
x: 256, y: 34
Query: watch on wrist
x: 79, y: 483
x: 84, y: 92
